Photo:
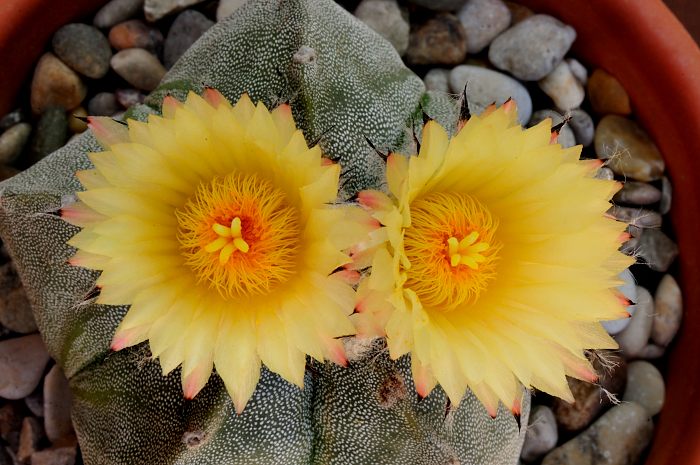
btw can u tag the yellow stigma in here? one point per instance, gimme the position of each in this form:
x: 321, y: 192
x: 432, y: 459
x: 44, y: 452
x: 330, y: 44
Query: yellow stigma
x: 452, y: 248
x: 467, y: 251
x: 229, y: 241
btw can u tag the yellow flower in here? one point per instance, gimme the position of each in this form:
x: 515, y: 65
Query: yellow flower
x: 496, y: 261
x: 217, y: 224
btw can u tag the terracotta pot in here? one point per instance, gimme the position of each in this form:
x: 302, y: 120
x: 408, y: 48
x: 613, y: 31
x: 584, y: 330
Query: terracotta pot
x: 644, y: 46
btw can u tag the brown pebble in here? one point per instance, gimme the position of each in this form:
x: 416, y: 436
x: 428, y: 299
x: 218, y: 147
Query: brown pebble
x: 55, y: 456
x: 439, y: 41
x: 668, y: 311
x: 57, y: 406
x: 15, y: 310
x: 75, y: 124
x: 606, y: 94
x: 55, y: 84
x: 10, y: 419
x: 518, y: 12
x: 135, y: 34
x: 630, y: 150
x: 29, y: 438
x: 139, y: 68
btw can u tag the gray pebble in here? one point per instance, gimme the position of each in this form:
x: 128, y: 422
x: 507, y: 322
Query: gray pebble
x: 156, y: 9
x: 637, y: 193
x: 582, y: 125
x: 639, y: 217
x: 652, y: 352
x: 139, y: 68
x: 439, y: 5
x: 541, y: 435
x: 656, y: 249
x: 666, y: 196
x: 57, y: 406
x: 605, y: 173
x: 645, y: 386
x: 35, y: 403
x: 103, y: 104
x: 634, y: 338
x: 186, y: 29
x: 117, y: 11
x: 532, y: 48
x: 227, y: 7
x: 84, y: 48
x: 578, y: 70
x: 55, y: 84
x: 51, y: 133
x: 563, y: 88
x: 22, y: 362
x: 668, y: 311
x: 483, y: 20
x: 388, y: 20
x: 440, y: 40
x: 438, y: 79
x: 12, y: 142
x: 566, y: 136
x: 617, y: 438
x: 129, y: 97
x: 12, y: 118
x: 629, y: 290
x: 485, y: 87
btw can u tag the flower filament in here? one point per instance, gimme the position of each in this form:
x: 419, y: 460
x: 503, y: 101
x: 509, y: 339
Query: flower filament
x: 229, y: 241
x: 466, y: 251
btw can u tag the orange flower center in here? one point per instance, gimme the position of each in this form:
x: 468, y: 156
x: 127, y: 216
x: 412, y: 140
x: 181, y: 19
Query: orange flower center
x: 452, y: 249
x: 240, y: 235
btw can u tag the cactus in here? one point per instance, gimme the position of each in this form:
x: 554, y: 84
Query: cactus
x: 345, y: 85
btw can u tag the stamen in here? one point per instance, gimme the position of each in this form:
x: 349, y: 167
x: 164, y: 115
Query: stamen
x: 229, y: 241
x: 467, y: 251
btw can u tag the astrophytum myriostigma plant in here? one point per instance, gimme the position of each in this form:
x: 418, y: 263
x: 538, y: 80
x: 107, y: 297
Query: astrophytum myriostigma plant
x: 344, y: 85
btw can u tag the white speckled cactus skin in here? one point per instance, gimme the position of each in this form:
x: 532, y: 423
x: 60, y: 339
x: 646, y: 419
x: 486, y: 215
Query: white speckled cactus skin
x: 344, y: 83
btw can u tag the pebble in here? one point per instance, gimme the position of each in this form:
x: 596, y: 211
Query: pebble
x: 103, y: 104
x: 606, y: 94
x: 55, y: 84
x: 631, y: 151
x: 139, y: 68
x: 587, y: 405
x: 10, y: 420
x: 645, y: 386
x: 12, y: 118
x: 541, y: 435
x: 532, y: 48
x: 563, y: 88
x: 566, y: 136
x: 605, y: 173
x: 156, y: 9
x: 57, y: 456
x: 7, y: 172
x: 15, y: 310
x: 75, y: 124
x: 578, y: 70
x: 618, y: 438
x: 129, y: 97
x: 22, y: 362
x: 50, y: 134
x: 227, y: 7
x: 35, y: 402
x: 30, y: 438
x: 668, y: 311
x: 117, y: 11
x: 186, y: 29
x: 582, y: 125
x: 437, y: 79
x: 657, y: 250
x: 637, y: 193
x: 439, y: 5
x: 439, y: 41
x: 83, y: 48
x: 134, y: 33
x: 629, y: 290
x: 485, y: 87
x: 634, y: 338
x: 638, y: 217
x: 12, y: 142
x: 483, y: 20
x: 652, y: 351
x: 388, y: 20
x: 57, y: 406
x: 666, y: 196
x: 518, y: 12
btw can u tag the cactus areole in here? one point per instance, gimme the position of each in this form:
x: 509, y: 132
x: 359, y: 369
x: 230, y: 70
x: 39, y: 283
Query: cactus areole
x: 236, y: 276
